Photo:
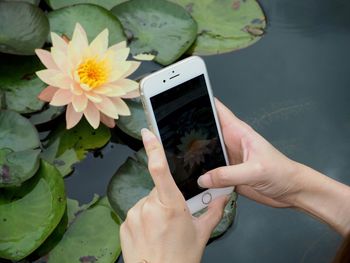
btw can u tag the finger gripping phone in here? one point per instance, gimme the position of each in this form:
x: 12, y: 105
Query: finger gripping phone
x: 180, y: 110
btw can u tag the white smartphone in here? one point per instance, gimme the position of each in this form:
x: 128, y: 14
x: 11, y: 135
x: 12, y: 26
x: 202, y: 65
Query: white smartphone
x: 180, y: 110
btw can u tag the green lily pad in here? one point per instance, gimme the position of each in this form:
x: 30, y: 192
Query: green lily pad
x: 136, y: 121
x: 94, y: 19
x: 132, y: 182
x: 17, y: 167
x: 92, y: 237
x: 24, y: 27
x: 226, y: 25
x: 108, y: 4
x: 46, y: 115
x: 19, y: 83
x: 74, y: 209
x: 33, y: 2
x: 16, y: 132
x: 29, y: 214
x: 157, y: 27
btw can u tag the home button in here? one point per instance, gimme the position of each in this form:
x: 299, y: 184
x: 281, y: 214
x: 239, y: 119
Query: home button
x: 206, y: 198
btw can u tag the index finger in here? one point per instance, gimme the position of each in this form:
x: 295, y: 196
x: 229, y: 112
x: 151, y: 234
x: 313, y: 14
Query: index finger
x: 167, y: 189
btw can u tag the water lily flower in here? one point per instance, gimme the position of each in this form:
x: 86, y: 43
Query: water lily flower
x: 89, y: 78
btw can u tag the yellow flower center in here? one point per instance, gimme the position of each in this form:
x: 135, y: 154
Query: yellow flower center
x: 93, y: 72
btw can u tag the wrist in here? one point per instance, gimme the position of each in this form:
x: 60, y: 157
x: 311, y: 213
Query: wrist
x: 323, y: 197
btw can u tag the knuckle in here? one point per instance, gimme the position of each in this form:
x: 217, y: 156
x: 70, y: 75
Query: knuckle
x: 156, y: 167
x: 259, y: 168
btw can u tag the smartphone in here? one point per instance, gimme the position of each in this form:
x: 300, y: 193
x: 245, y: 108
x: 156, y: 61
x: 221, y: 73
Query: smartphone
x: 180, y: 110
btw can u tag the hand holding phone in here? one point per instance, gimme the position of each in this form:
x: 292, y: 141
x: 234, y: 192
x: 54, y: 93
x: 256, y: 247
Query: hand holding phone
x: 160, y: 227
x: 180, y: 110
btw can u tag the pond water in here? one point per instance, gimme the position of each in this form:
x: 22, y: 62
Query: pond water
x: 293, y: 87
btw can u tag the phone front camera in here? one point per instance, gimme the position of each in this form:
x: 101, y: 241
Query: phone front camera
x: 163, y: 80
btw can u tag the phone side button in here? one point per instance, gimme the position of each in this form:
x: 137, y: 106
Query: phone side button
x: 206, y: 198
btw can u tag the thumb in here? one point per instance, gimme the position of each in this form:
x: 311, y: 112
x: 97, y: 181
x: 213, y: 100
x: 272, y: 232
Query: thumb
x: 210, y: 219
x: 233, y: 175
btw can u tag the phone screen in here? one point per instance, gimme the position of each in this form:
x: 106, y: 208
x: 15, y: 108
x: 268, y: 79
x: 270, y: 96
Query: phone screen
x: 188, y: 132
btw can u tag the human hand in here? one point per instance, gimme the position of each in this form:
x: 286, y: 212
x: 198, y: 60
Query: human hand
x: 262, y: 173
x: 258, y: 170
x: 160, y: 228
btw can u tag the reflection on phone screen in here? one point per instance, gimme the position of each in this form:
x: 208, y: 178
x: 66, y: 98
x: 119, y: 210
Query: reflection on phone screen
x: 189, y: 134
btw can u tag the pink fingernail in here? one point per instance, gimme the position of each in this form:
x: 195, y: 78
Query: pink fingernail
x: 146, y: 134
x: 204, y: 180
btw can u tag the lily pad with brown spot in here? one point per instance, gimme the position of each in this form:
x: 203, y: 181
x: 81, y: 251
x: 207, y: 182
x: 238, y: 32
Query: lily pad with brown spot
x: 157, y: 27
x: 132, y: 182
x: 226, y: 25
x: 108, y: 4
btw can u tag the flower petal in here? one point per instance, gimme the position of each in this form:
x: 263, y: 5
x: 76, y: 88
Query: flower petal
x: 60, y: 59
x: 93, y: 97
x: 58, y: 42
x: 72, y: 117
x: 107, y: 107
x: 100, y: 44
x: 121, y: 106
x: 79, y: 102
x: 46, y: 58
x: 92, y: 115
x: 114, y: 90
x: 61, y: 97
x: 102, y: 89
x: 76, y: 89
x: 47, y: 93
x: 131, y: 94
x: 122, y: 54
x: 118, y: 46
x: 119, y: 70
x: 78, y: 45
x: 133, y: 66
x: 109, y: 122
x: 54, y: 77
x: 126, y: 84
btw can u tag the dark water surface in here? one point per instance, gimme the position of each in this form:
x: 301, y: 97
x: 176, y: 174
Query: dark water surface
x: 293, y: 87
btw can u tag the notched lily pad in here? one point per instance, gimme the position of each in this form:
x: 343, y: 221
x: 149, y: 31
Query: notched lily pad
x: 19, y: 156
x: 17, y: 167
x: 226, y: 25
x: 132, y: 182
x: 29, y: 213
x: 65, y: 147
x: 24, y: 27
x: 48, y: 114
x: 157, y: 27
x: 136, y: 121
x: 19, y: 84
x: 93, y: 19
x: 84, y: 243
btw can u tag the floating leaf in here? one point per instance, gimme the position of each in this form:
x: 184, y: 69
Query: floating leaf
x: 16, y: 132
x: 144, y: 57
x: 157, y: 27
x: 17, y: 167
x: 92, y: 237
x: 226, y: 25
x: 93, y: 19
x: 29, y: 214
x: 133, y: 124
x: 19, y: 83
x: 24, y: 27
x: 74, y: 209
x: 46, y: 115
x: 108, y: 4
x: 132, y: 182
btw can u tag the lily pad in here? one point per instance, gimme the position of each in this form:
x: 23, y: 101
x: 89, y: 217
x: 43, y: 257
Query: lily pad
x: 24, y: 27
x: 108, y: 4
x: 157, y: 27
x: 136, y: 121
x: 30, y: 213
x: 84, y: 243
x: 16, y: 132
x: 93, y: 19
x: 226, y: 25
x: 19, y: 83
x: 48, y: 114
x: 17, y: 167
x: 132, y: 182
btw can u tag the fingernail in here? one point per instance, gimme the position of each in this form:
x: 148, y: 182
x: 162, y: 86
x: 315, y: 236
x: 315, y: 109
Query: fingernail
x: 204, y: 180
x: 146, y: 134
